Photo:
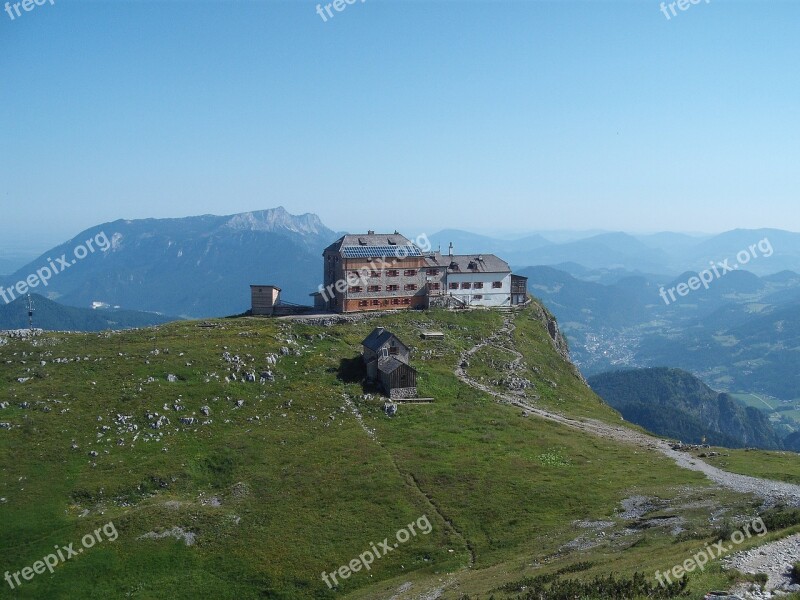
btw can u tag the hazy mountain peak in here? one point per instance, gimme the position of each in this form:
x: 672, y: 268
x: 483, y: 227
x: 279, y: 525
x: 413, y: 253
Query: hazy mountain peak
x: 275, y: 219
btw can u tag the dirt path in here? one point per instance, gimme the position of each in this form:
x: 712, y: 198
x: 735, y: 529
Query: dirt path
x: 774, y: 559
x: 773, y: 492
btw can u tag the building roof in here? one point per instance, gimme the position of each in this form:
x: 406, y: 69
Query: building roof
x: 368, y: 245
x: 469, y: 263
x: 274, y: 287
x: 391, y: 364
x: 377, y: 338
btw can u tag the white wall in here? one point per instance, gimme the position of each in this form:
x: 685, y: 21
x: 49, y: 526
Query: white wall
x: 491, y: 296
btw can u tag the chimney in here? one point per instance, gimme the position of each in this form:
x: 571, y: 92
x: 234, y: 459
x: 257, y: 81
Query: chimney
x: 450, y: 251
x: 370, y: 232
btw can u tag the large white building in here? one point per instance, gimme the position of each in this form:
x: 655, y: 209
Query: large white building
x: 477, y: 280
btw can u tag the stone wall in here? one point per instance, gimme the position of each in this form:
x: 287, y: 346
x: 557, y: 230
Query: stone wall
x: 401, y: 393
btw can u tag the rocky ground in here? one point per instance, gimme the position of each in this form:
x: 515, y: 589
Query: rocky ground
x: 775, y: 560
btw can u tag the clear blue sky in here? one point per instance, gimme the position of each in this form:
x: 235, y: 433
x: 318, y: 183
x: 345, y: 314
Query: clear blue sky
x: 417, y: 115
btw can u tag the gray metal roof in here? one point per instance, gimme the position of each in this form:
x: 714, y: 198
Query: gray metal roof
x: 377, y: 338
x: 400, y: 251
x: 370, y: 240
x: 391, y: 364
x: 469, y: 263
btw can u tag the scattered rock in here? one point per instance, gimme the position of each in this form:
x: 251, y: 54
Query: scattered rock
x: 162, y: 420
x: 240, y: 490
x: 774, y: 559
x: 176, y: 532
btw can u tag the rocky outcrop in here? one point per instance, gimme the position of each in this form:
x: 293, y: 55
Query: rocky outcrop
x: 556, y: 337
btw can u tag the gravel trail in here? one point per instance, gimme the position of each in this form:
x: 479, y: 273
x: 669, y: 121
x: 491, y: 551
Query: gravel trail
x: 774, y: 559
x: 772, y: 492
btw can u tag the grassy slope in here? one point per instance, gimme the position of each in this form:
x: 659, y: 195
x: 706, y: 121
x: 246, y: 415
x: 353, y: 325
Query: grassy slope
x: 780, y: 466
x: 304, y: 488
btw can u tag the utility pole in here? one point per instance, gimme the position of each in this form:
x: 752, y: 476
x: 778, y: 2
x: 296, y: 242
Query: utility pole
x: 30, y: 312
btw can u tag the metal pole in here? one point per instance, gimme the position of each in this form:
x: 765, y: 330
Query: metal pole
x: 30, y: 313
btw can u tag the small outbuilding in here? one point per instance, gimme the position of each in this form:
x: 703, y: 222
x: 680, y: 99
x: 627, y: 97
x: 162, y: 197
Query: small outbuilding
x: 264, y: 299
x: 432, y: 335
x: 386, y: 358
x: 519, y: 290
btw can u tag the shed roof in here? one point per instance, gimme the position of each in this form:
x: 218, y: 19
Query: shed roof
x: 377, y: 338
x: 469, y: 263
x: 391, y: 364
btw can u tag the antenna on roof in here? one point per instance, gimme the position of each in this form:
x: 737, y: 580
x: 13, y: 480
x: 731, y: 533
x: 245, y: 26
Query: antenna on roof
x: 30, y: 312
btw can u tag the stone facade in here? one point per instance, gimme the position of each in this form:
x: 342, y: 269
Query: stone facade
x: 403, y: 393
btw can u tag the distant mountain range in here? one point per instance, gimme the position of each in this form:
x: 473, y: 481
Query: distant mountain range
x: 742, y: 334
x: 673, y: 403
x: 191, y: 267
x: 52, y: 316
x: 661, y: 253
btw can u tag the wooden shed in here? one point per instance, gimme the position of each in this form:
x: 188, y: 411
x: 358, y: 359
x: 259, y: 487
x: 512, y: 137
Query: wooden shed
x: 398, y: 379
x: 386, y: 358
x: 263, y: 299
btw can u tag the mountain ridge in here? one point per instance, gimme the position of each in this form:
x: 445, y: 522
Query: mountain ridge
x: 52, y: 316
x: 194, y: 266
x: 673, y: 403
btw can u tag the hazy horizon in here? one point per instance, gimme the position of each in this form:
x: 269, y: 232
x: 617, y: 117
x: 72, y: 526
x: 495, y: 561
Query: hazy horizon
x: 479, y: 116
x: 26, y: 242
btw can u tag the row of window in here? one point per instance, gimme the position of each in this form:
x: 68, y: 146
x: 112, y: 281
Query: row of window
x: 477, y: 285
x: 396, y: 273
x: 397, y: 301
x: 410, y: 287
x: 385, y: 301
